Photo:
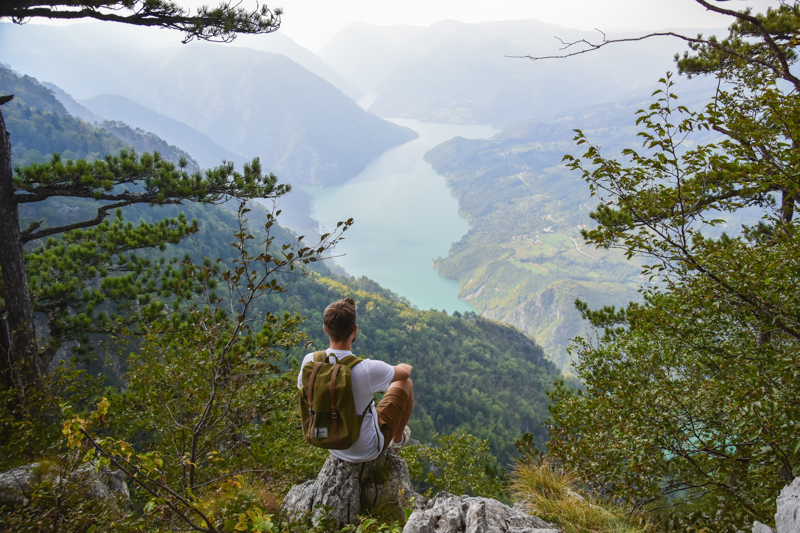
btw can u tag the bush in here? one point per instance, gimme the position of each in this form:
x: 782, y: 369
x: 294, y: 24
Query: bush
x: 459, y: 464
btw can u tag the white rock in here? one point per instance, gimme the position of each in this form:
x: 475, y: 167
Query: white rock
x: 348, y: 488
x: 452, y: 514
x: 787, y: 519
x: 758, y: 527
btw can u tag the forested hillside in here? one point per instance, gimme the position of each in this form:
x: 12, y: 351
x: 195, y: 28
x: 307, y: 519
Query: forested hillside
x: 523, y: 260
x: 472, y: 374
x: 41, y: 126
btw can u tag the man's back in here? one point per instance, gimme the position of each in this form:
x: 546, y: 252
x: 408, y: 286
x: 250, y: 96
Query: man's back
x: 368, y: 377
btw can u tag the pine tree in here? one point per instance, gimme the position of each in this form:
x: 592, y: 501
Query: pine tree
x: 221, y: 23
x: 113, y: 183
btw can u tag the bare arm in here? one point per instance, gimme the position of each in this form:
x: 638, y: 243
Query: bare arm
x: 402, y: 371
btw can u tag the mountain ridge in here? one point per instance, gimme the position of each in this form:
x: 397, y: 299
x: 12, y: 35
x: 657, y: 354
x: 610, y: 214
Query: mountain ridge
x: 462, y: 73
x: 250, y: 102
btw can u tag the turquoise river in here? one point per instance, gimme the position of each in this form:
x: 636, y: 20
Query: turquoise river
x: 405, y: 217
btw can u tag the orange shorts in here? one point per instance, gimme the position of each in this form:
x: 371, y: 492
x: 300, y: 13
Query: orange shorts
x: 390, y: 413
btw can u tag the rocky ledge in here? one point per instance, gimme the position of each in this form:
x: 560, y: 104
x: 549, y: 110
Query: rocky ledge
x: 383, y: 487
x: 450, y: 514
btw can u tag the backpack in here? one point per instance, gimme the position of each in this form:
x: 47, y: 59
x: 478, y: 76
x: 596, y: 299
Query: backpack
x: 327, y: 405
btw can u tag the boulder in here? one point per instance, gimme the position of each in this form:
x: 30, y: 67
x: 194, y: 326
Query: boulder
x: 17, y: 483
x: 102, y: 485
x: 453, y: 514
x: 758, y: 527
x: 347, y: 490
x: 787, y: 519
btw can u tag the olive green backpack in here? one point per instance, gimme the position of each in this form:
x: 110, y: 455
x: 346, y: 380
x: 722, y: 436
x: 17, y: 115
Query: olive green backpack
x: 327, y: 405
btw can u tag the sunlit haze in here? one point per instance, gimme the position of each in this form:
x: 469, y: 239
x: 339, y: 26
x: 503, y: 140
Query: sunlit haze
x: 312, y: 23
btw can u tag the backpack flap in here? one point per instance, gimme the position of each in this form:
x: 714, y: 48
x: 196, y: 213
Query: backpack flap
x: 327, y: 404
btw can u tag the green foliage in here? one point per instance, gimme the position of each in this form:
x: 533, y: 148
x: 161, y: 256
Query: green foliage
x: 29, y: 431
x: 118, y: 179
x: 145, y: 141
x: 197, y: 409
x: 287, y: 459
x: 691, y: 398
x: 90, y: 281
x: 75, y: 279
x: 459, y: 464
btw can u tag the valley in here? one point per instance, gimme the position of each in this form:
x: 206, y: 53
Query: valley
x: 489, y: 221
x: 585, y: 257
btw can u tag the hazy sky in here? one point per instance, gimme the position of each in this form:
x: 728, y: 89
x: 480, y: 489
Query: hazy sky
x: 313, y: 22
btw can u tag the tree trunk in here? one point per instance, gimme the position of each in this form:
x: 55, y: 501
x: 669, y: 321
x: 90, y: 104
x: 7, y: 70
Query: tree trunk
x: 20, y: 366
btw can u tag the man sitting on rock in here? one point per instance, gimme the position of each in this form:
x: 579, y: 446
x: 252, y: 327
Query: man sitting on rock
x: 383, y: 425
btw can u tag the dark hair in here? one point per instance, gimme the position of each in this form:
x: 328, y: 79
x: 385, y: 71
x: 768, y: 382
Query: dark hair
x: 339, y: 319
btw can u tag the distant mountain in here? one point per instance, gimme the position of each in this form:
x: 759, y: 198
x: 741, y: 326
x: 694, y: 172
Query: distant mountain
x: 264, y: 104
x: 40, y: 125
x: 146, y: 141
x: 461, y: 73
x: 278, y: 43
x: 72, y: 106
x: 369, y: 69
x: 116, y: 107
x: 250, y: 102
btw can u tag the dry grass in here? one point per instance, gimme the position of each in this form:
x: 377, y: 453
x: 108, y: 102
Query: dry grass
x: 550, y: 493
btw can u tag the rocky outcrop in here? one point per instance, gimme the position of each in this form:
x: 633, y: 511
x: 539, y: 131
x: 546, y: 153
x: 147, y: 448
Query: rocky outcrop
x: 382, y: 488
x: 453, y: 514
x: 345, y: 490
x: 101, y: 485
x: 787, y: 518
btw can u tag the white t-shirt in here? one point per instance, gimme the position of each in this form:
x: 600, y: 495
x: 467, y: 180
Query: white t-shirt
x: 368, y: 377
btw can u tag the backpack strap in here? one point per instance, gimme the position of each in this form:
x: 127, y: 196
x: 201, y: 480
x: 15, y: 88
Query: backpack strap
x: 334, y: 405
x: 317, y: 358
x: 310, y: 396
x: 350, y: 361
